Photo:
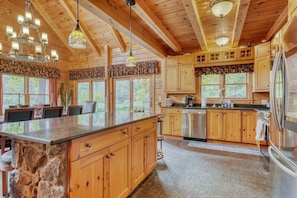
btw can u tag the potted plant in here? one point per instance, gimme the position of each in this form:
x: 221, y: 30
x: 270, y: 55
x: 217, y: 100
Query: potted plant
x: 65, y: 94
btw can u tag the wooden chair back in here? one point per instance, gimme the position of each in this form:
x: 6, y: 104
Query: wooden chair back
x: 52, y: 112
x: 74, y: 110
x: 18, y: 114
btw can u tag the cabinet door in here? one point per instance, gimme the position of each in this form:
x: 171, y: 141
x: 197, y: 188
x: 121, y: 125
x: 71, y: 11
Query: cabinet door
x: 176, y: 124
x: 232, y: 125
x: 262, y: 74
x: 171, y: 79
x: 249, y: 119
x: 120, y: 169
x: 187, y: 79
x: 87, y: 176
x: 214, y: 124
x: 151, y: 150
x: 138, y: 157
x: 166, y: 129
x: 262, y: 50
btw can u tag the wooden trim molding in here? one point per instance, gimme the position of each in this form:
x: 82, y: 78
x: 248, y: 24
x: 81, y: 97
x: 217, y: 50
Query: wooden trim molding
x: 224, y: 69
x: 142, y: 68
x: 28, y: 69
x: 87, y: 73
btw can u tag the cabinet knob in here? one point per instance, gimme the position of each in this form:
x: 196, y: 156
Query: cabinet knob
x: 89, y: 145
x: 112, y: 154
x: 107, y: 156
x: 124, y: 132
x: 137, y: 128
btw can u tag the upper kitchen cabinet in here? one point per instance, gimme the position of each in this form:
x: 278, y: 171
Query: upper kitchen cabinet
x: 179, y: 76
x: 262, y: 68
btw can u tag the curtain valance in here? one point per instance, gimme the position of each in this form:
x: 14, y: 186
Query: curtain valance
x: 87, y: 73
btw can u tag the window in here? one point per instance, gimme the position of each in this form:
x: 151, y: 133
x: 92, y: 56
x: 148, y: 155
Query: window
x: 24, y: 90
x: 210, y: 86
x: 13, y: 90
x: 92, y: 90
x: 133, y: 94
x: 38, y: 91
x: 235, y: 85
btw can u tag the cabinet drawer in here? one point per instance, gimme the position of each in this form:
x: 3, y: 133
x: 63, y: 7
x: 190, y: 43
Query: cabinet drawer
x: 172, y: 110
x: 84, y: 146
x: 144, y: 125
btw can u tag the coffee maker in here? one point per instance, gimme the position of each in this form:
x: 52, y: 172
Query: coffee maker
x: 189, y: 101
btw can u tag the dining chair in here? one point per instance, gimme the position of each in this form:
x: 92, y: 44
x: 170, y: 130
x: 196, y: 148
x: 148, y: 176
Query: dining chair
x: 74, y: 110
x: 89, y: 107
x: 18, y: 114
x: 51, y: 112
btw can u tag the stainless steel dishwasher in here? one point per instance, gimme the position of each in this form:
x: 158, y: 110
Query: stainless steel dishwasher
x: 194, y: 124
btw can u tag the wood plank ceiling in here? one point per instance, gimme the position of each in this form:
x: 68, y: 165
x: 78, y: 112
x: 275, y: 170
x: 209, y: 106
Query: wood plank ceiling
x: 161, y: 26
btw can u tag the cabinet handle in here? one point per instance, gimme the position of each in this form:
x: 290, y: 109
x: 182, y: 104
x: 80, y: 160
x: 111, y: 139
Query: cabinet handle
x: 147, y: 136
x: 89, y: 145
x: 112, y: 154
x: 87, y: 183
x: 107, y: 156
x: 137, y: 128
x: 124, y: 132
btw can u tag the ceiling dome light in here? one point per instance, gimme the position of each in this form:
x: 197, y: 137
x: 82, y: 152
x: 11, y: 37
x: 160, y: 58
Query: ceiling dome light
x: 77, y: 38
x: 223, y: 40
x: 221, y: 8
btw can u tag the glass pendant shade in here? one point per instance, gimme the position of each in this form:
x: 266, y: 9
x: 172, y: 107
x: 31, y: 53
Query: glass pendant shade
x: 221, y: 8
x: 131, y: 61
x: 223, y: 40
x: 77, y: 38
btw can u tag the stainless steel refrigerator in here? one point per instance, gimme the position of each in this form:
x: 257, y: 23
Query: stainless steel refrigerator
x: 283, y: 137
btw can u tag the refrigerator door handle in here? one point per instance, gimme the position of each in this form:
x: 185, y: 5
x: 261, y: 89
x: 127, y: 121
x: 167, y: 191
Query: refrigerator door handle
x: 290, y: 170
x: 275, y: 67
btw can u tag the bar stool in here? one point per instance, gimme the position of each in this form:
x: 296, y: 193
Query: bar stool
x: 160, y: 136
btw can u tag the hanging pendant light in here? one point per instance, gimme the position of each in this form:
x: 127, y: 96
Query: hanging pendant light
x: 77, y: 38
x: 131, y: 61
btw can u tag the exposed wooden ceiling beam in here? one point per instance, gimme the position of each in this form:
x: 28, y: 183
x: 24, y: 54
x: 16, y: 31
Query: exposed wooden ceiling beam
x: 278, y: 24
x: 118, y: 39
x: 52, y: 24
x: 241, y: 13
x: 193, y: 14
x: 111, y: 14
x: 72, y: 13
x: 142, y: 10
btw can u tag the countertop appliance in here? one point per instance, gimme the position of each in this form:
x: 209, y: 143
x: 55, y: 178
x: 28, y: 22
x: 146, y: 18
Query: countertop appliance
x: 283, y: 149
x: 189, y: 101
x: 194, y: 124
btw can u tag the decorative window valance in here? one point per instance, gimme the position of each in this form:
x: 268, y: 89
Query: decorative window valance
x: 28, y: 69
x: 87, y: 73
x: 241, y: 68
x: 142, y: 68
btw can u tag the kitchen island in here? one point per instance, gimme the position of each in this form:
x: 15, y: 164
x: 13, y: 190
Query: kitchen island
x: 89, y: 155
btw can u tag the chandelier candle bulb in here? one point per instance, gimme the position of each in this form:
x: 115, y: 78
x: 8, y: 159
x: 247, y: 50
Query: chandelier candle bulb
x: 28, y: 16
x: 26, y: 31
x: 44, y: 37
x: 54, y: 53
x: 9, y: 30
x: 15, y: 46
x: 20, y: 19
x: 37, y: 22
x: 0, y: 48
x: 38, y: 49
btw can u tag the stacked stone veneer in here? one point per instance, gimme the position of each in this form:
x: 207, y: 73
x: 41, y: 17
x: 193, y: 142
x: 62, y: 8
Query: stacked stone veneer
x: 40, y: 170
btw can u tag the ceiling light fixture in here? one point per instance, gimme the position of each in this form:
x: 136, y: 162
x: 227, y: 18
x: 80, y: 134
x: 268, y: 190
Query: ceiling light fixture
x: 221, y: 8
x: 77, y: 38
x: 21, y: 43
x: 131, y: 61
x: 222, y: 40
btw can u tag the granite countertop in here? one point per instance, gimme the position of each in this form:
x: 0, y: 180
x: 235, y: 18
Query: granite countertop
x: 236, y: 107
x: 62, y: 129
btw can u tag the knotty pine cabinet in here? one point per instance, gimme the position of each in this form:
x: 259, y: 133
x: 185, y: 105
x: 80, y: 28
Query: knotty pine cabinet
x: 172, y: 124
x: 224, y: 125
x: 249, y: 121
x: 144, y: 146
x: 262, y: 68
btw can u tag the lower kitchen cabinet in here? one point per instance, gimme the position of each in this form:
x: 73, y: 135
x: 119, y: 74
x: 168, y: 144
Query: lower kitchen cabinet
x: 97, y: 175
x: 249, y: 121
x: 224, y: 125
x: 144, y: 146
x: 172, y: 124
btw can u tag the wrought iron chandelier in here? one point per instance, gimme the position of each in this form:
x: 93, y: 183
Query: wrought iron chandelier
x: 23, y: 45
